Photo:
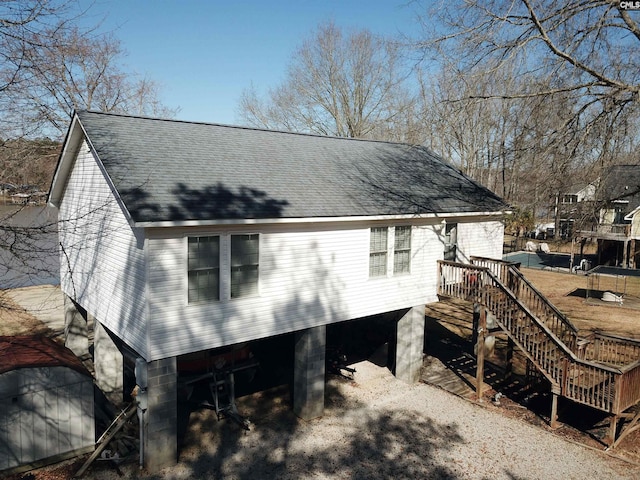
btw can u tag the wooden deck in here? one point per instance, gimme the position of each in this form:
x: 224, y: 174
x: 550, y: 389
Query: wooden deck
x: 600, y: 371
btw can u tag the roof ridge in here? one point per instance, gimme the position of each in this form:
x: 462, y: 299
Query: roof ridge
x: 257, y: 129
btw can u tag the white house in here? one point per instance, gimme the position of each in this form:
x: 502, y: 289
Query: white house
x: 181, y: 237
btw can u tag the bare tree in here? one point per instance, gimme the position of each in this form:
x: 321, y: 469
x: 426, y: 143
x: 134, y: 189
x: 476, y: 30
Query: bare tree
x: 83, y: 72
x: 343, y: 85
x: 24, y: 161
x: 49, y: 67
x: 23, y: 26
x: 591, y: 46
x: 570, y: 104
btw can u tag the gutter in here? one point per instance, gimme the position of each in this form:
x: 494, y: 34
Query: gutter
x: 443, y: 217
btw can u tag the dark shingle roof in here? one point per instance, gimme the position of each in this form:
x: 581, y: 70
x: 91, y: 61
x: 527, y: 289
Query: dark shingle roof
x: 622, y: 183
x: 167, y: 170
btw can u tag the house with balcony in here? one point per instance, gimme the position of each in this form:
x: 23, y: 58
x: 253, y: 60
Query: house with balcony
x: 616, y: 208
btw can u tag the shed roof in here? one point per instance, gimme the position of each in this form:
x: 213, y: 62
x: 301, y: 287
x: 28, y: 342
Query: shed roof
x: 168, y: 170
x: 28, y: 351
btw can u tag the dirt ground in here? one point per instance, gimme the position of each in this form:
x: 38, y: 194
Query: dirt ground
x: 564, y: 289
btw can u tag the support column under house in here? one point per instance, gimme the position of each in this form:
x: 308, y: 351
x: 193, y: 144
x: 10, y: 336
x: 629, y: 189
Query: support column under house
x: 410, y: 344
x: 308, y: 372
x: 160, y: 419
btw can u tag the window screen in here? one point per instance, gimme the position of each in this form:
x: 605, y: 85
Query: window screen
x: 244, y: 265
x: 378, y: 252
x: 402, y: 250
x: 204, y: 268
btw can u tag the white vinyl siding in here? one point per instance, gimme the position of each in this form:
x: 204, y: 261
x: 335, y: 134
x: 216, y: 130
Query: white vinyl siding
x: 204, y: 268
x: 378, y: 252
x: 402, y: 250
x: 102, y: 259
x: 245, y: 251
x: 635, y: 225
x: 308, y: 277
x: 479, y: 239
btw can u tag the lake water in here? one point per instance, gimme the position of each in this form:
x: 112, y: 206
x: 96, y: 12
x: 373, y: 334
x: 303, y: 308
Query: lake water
x: 28, y: 246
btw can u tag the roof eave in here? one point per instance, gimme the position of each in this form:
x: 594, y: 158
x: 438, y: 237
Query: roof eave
x: 65, y: 161
x: 629, y: 216
x: 298, y: 220
x: 72, y: 143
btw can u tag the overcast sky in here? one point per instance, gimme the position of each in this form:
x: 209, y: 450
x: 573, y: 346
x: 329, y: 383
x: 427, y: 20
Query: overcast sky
x: 205, y: 53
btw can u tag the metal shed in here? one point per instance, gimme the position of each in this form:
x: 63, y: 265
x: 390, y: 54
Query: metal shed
x: 46, y: 403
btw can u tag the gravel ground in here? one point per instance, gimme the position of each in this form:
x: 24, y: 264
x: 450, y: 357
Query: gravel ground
x: 377, y: 427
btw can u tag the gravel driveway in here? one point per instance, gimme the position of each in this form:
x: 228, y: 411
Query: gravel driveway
x: 377, y: 427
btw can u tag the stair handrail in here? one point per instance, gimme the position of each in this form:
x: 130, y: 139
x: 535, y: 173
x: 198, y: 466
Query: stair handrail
x: 539, y: 323
x: 513, y: 269
x: 552, y: 335
x: 566, y: 350
x: 548, y: 303
x: 567, y: 362
x: 567, y: 331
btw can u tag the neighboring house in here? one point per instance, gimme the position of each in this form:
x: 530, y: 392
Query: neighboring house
x: 572, y: 206
x: 578, y: 194
x: 618, y: 199
x: 180, y: 237
x: 46, y: 404
x: 634, y: 219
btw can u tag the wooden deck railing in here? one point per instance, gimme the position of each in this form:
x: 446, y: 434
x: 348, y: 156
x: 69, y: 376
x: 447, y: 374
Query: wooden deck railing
x: 499, y: 268
x: 539, y: 305
x: 591, y: 384
x: 536, y: 340
x: 610, y: 349
x: 610, y: 387
x: 628, y: 387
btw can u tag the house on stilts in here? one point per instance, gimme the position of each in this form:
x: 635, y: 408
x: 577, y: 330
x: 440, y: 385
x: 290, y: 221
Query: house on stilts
x: 183, y: 241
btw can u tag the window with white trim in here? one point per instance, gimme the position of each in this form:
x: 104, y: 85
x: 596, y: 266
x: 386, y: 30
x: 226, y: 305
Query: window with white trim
x: 245, y: 251
x: 204, y: 268
x: 402, y: 250
x: 378, y: 252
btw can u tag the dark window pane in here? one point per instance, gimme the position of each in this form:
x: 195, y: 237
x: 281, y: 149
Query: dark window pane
x: 244, y: 265
x: 203, y: 265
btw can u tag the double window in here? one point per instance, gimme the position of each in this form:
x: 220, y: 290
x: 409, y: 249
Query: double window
x: 379, y: 250
x: 205, y: 276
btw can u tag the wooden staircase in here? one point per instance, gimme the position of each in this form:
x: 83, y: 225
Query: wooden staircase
x: 601, y: 371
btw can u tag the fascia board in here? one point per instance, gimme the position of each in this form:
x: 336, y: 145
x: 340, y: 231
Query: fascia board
x: 629, y: 216
x: 319, y: 220
x: 77, y: 132
x: 65, y: 162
